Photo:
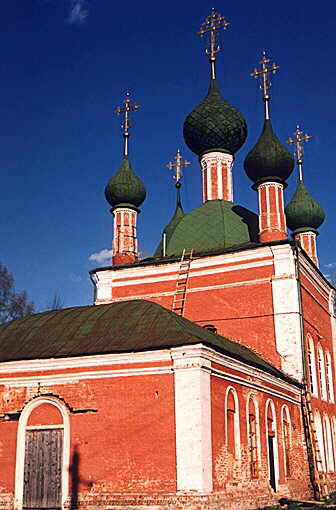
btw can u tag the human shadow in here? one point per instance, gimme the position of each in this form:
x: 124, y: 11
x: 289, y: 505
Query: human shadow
x: 76, y: 479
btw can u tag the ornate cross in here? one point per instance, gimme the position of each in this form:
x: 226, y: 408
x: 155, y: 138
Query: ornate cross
x: 177, y: 167
x: 265, y: 82
x: 210, y: 25
x: 298, y: 140
x: 126, y: 122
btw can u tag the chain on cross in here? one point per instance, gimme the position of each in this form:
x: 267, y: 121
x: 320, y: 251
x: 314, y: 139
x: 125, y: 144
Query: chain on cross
x: 126, y: 125
x: 177, y: 166
x: 265, y: 82
x: 210, y: 25
x: 298, y: 140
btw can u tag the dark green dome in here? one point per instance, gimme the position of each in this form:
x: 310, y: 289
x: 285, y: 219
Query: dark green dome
x: 269, y: 159
x: 303, y: 213
x: 125, y: 187
x: 171, y: 226
x: 215, y: 225
x: 214, y: 125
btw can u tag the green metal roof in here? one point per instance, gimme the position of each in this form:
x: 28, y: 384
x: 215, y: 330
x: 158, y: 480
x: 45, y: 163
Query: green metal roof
x: 128, y: 326
x: 214, y: 125
x: 125, y: 187
x: 269, y: 159
x: 215, y: 225
x: 303, y: 213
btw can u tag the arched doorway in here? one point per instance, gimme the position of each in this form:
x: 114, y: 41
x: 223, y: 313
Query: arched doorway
x: 272, y: 445
x: 42, y: 455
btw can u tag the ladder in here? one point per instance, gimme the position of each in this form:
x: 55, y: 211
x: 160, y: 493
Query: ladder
x: 179, y: 298
x: 317, y: 474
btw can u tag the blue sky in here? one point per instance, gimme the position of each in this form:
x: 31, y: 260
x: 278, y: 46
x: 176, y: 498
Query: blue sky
x: 65, y: 66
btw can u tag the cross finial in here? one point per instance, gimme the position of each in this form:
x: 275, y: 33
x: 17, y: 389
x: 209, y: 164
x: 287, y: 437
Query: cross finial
x: 210, y: 25
x: 265, y: 82
x: 299, y: 138
x: 126, y: 122
x: 177, y: 167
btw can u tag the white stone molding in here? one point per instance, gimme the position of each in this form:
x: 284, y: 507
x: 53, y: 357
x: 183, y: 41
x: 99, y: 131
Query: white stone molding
x: 330, y: 465
x: 312, y: 366
x: 20, y: 446
x: 252, y: 397
x: 193, y: 423
x: 286, y: 306
x: 217, y: 160
x: 285, y: 414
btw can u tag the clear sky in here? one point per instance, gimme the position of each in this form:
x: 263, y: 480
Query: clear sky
x: 65, y: 66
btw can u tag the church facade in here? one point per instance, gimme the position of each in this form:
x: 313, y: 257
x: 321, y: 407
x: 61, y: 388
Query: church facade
x: 202, y: 377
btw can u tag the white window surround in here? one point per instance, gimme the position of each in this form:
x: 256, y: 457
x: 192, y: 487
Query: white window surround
x: 319, y: 433
x: 328, y: 444
x: 329, y: 375
x: 20, y: 449
x: 312, y: 364
x: 270, y: 403
x: 256, y: 412
x: 322, y: 373
x: 285, y: 414
x: 236, y: 420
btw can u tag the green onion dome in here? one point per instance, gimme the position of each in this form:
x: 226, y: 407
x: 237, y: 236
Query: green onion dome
x: 269, y: 159
x: 125, y: 187
x: 213, y: 226
x: 171, y: 226
x: 214, y: 125
x: 303, y: 213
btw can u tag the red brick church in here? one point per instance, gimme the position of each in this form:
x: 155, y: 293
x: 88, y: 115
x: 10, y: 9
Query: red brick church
x: 202, y: 377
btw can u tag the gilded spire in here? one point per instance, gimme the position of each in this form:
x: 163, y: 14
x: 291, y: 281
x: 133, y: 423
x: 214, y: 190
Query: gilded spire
x: 265, y: 83
x: 210, y: 25
x: 177, y: 167
x: 126, y: 125
x: 298, y: 140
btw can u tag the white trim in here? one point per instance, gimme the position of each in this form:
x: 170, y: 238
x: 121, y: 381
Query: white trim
x: 329, y: 447
x: 237, y: 450
x: 251, y: 397
x: 285, y: 411
x: 319, y: 433
x: 322, y: 372
x: 219, y: 179
x: 44, y: 427
x: 270, y: 403
x: 311, y: 348
x: 20, y: 448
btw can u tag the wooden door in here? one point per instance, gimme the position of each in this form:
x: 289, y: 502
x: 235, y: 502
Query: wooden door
x: 42, y: 486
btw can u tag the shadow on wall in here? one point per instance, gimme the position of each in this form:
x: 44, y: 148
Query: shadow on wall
x: 75, y: 478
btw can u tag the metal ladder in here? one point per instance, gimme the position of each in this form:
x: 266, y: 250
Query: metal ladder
x: 317, y: 475
x: 182, y: 282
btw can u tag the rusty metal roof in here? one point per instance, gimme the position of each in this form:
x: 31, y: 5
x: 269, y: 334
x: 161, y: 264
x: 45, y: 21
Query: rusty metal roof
x: 127, y: 326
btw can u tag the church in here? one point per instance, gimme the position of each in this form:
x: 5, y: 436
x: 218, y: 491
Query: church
x: 202, y: 377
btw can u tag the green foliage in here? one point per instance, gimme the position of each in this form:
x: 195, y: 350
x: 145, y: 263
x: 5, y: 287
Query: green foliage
x: 13, y: 305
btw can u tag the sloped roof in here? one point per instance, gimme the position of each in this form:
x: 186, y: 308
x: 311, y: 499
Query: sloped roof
x: 128, y: 326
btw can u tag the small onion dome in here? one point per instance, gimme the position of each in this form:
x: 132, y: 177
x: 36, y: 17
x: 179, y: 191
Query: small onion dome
x: 303, y: 213
x: 269, y: 159
x: 171, y: 226
x: 125, y: 187
x: 214, y: 125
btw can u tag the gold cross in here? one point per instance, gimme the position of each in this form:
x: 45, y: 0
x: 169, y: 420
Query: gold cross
x: 265, y: 82
x: 210, y: 25
x: 126, y: 125
x: 177, y: 166
x: 298, y: 140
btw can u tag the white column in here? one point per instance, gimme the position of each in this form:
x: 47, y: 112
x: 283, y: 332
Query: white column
x: 193, y: 421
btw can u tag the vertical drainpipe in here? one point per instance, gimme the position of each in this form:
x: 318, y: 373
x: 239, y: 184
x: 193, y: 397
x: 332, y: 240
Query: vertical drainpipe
x: 164, y: 244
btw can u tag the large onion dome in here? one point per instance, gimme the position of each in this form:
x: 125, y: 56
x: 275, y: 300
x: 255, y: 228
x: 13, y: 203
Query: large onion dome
x: 213, y: 226
x: 214, y: 125
x: 125, y: 187
x: 269, y: 160
x: 303, y: 213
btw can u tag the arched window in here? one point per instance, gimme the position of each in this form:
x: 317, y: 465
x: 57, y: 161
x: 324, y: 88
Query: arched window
x: 43, y: 450
x: 320, y: 440
x: 253, y: 437
x: 286, y: 439
x: 322, y: 375
x: 327, y: 440
x: 329, y: 377
x: 232, y: 423
x: 311, y: 365
x: 272, y: 444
